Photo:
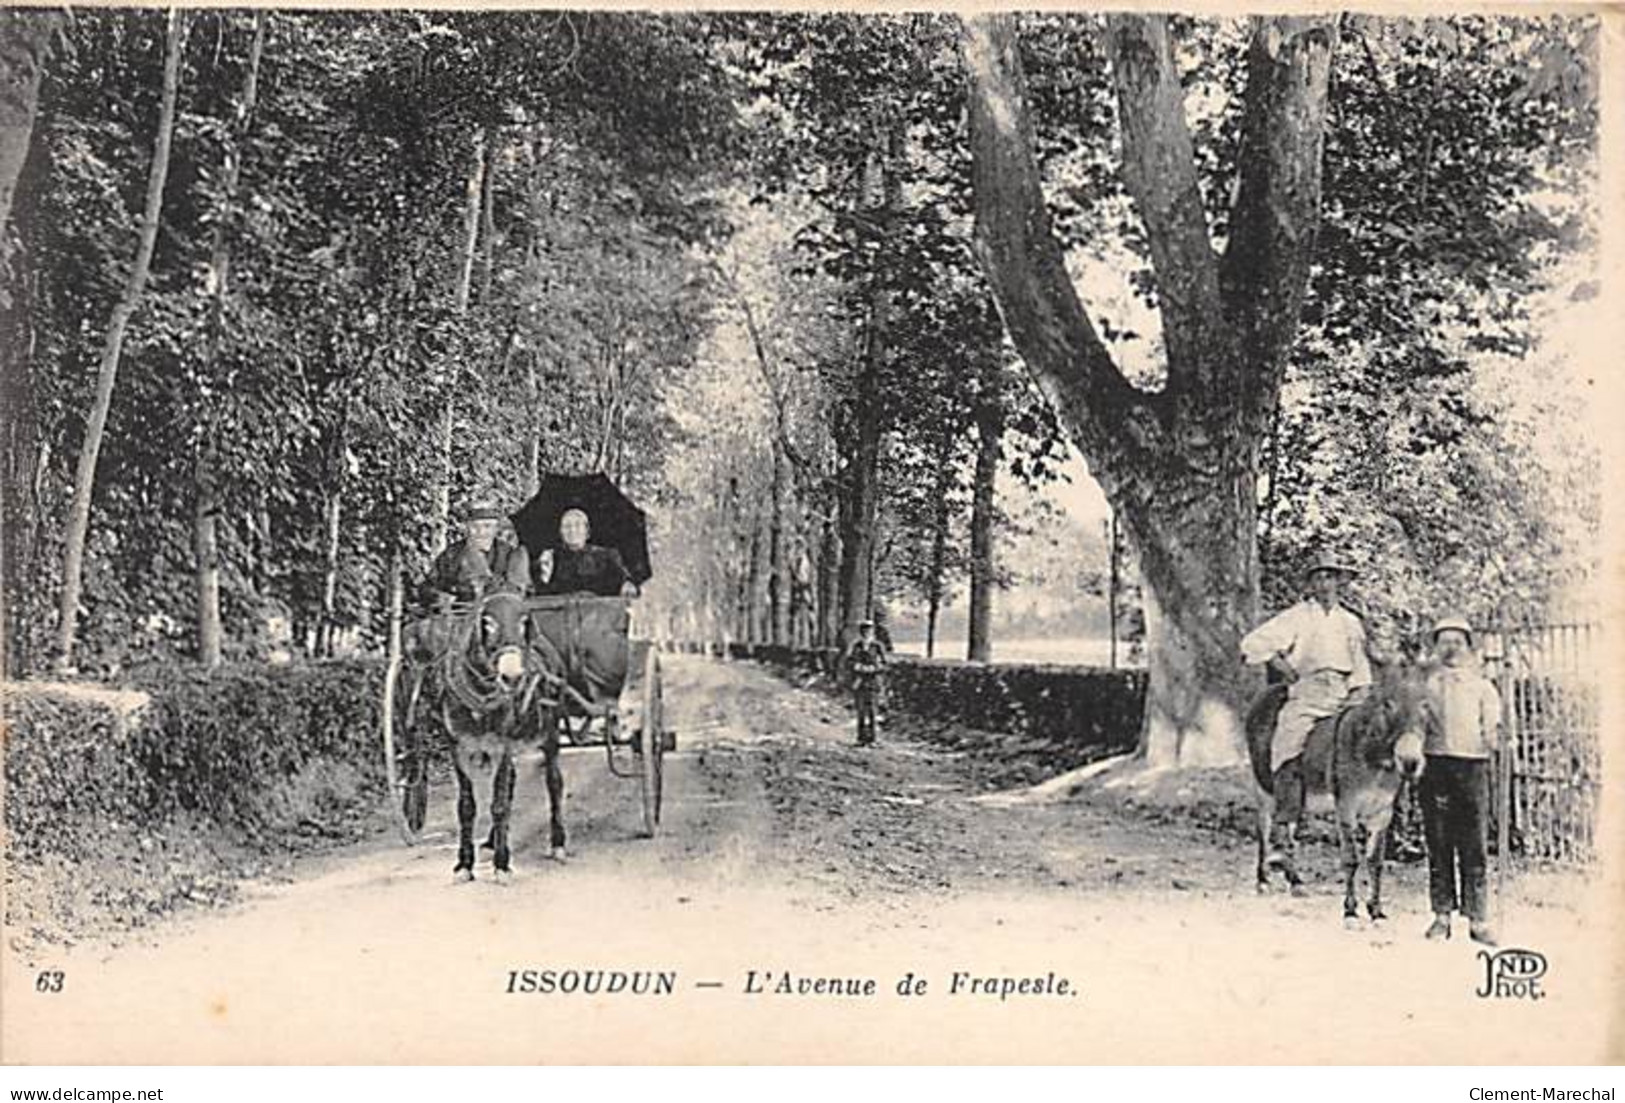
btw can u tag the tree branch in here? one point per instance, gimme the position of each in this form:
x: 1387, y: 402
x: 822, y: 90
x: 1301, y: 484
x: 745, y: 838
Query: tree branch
x: 770, y: 376
x: 1159, y: 167
x: 1026, y: 268
x: 1265, y: 271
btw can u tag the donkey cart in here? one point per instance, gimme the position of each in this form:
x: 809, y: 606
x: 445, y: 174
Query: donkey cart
x: 610, y: 692
x: 594, y: 685
x: 562, y: 669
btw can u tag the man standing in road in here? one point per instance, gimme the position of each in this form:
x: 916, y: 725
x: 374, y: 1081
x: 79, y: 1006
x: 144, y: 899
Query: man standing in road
x: 1318, y: 648
x: 1454, y: 791
x: 866, y: 659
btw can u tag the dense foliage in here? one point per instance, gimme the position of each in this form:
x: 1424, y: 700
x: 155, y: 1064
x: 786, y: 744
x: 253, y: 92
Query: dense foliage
x: 729, y: 260
x: 233, y: 748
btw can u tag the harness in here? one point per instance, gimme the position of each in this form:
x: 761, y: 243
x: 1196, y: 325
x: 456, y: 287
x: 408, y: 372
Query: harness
x: 466, y: 675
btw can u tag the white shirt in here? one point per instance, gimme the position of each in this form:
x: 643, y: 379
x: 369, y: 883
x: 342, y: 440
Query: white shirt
x: 1312, y: 638
x: 1468, y: 710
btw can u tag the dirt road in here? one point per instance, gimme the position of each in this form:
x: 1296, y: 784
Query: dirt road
x: 1056, y: 931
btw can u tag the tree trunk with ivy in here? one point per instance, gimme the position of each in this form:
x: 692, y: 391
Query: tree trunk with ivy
x: 1180, y: 464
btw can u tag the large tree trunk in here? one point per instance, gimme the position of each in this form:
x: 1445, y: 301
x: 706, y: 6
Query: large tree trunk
x: 936, y: 587
x: 206, y: 515
x: 330, y: 575
x: 882, y: 193
x: 803, y: 595
x: 78, y: 529
x: 533, y: 435
x: 989, y: 429
x: 25, y: 46
x: 937, y: 584
x: 392, y: 669
x: 829, y: 584
x: 206, y: 549
x: 1113, y: 545
x: 21, y: 608
x: 778, y: 593
x: 859, y: 509
x: 1200, y: 576
x: 1180, y: 465
x: 488, y: 228
x: 755, y: 584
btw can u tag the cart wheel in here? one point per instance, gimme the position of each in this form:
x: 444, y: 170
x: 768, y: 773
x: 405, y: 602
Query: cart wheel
x: 651, y: 743
x: 415, y: 795
x: 412, y: 756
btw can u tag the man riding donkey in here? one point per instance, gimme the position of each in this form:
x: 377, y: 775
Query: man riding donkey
x: 1318, y: 647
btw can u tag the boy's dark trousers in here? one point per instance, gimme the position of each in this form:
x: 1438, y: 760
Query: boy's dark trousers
x: 1454, y: 794
x: 865, y: 690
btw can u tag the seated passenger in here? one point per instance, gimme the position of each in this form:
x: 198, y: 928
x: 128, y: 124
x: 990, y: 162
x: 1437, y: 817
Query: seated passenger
x: 478, y: 563
x: 579, y: 567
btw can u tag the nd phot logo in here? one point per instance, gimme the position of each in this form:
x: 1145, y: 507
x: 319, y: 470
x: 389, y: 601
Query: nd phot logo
x: 1512, y: 974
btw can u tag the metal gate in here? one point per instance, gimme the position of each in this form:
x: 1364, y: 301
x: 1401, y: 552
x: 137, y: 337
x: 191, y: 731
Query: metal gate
x: 1548, y: 677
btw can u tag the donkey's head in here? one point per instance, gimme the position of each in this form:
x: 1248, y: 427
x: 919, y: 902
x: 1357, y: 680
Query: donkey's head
x: 497, y: 645
x: 1397, y: 715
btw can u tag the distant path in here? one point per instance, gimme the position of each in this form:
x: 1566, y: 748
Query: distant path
x: 785, y: 847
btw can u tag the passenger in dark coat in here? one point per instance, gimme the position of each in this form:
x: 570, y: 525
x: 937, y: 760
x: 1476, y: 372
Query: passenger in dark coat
x: 579, y: 567
x: 478, y: 563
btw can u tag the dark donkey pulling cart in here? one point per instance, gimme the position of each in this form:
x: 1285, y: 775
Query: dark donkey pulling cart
x: 488, y: 677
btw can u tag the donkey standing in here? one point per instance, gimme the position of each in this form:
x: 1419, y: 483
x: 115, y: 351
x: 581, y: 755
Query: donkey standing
x: 493, y: 691
x: 1362, y: 757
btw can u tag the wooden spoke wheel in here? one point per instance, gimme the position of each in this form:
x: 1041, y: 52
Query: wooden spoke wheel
x: 651, y: 743
x: 413, y: 755
x: 411, y: 752
x: 415, y: 791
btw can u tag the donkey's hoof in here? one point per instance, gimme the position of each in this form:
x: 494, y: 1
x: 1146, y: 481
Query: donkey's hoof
x: 1262, y: 887
x: 503, y: 876
x: 1378, y: 916
x: 460, y: 876
x: 557, y: 854
x: 1298, y: 890
x: 1352, y: 922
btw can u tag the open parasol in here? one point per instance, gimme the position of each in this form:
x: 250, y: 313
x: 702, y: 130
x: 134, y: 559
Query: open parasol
x: 615, y: 519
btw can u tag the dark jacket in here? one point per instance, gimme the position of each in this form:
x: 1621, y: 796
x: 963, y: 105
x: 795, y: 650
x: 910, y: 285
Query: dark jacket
x: 460, y: 570
x: 592, y: 570
x: 866, y: 660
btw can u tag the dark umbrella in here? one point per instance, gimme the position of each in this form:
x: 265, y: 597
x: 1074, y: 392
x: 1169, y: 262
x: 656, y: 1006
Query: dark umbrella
x: 616, y: 522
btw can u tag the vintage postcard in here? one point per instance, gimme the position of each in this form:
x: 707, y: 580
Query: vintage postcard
x: 1068, y: 535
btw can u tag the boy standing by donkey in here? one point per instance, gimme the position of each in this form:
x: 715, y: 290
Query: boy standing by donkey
x: 1454, y: 791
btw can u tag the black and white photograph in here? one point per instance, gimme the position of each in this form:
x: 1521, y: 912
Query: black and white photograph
x: 810, y: 536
